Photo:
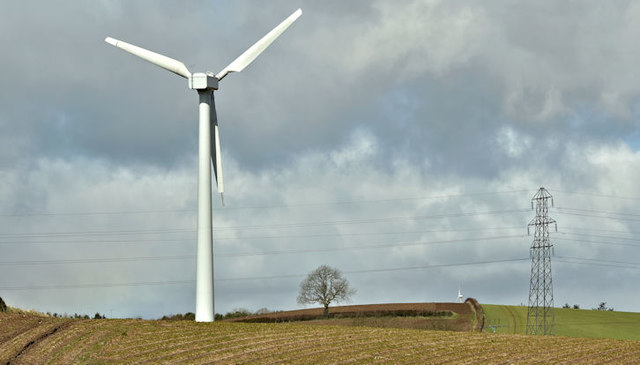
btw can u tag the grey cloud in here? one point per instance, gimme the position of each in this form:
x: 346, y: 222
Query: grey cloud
x: 357, y: 101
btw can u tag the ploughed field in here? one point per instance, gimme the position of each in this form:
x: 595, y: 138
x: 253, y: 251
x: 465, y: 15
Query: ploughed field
x: 432, y: 316
x: 32, y: 339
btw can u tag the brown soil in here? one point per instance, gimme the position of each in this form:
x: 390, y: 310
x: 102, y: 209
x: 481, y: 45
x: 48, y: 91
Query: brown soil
x: 21, y: 331
x: 185, y: 342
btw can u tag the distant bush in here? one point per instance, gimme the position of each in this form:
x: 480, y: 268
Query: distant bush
x: 3, y: 306
x: 236, y: 313
x: 189, y: 316
x: 240, y: 312
x: 357, y: 314
x: 603, y: 307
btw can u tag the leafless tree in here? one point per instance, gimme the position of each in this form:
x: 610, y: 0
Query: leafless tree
x: 325, y: 285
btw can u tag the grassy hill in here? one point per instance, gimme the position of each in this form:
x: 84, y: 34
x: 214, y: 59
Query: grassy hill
x: 30, y: 339
x: 568, y: 322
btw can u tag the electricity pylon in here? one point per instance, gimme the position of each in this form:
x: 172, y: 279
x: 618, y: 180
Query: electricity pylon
x: 540, y: 315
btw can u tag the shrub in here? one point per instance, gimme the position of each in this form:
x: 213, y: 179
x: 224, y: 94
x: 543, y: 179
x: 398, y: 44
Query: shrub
x: 180, y: 317
x: 239, y: 312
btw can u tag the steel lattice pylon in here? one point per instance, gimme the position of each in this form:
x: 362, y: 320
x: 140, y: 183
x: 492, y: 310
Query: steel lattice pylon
x: 540, y: 315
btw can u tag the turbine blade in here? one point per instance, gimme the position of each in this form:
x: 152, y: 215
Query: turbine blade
x: 254, y: 51
x: 216, y: 155
x: 216, y: 158
x: 165, y: 62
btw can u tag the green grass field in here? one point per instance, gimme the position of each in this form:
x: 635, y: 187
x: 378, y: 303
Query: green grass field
x: 568, y: 322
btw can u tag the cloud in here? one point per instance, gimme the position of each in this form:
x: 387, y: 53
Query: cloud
x: 353, y: 215
x: 360, y: 139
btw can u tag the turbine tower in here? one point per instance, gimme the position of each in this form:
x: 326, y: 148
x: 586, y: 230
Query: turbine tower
x: 208, y: 149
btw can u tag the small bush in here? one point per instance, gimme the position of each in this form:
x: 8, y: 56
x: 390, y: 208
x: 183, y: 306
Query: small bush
x: 180, y: 317
x: 241, y: 312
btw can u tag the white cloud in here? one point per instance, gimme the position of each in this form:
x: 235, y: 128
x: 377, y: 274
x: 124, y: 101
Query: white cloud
x: 513, y: 143
x: 362, y: 147
x: 410, y: 38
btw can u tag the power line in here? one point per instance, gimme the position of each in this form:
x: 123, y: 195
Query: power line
x: 599, y: 264
x: 600, y: 261
x: 219, y: 239
x: 121, y: 212
x: 598, y: 230
x: 281, y: 252
x: 446, y: 196
x: 95, y: 233
x: 601, y: 236
x: 256, y: 227
x: 244, y: 254
x: 405, y: 268
x: 99, y: 285
x: 436, y: 266
x: 600, y: 216
x: 603, y: 212
x: 372, y: 220
x: 597, y: 242
x: 345, y: 202
x: 223, y: 239
x: 363, y: 247
x: 96, y: 242
x: 93, y: 260
x: 286, y: 276
x: 596, y: 194
x: 366, y: 233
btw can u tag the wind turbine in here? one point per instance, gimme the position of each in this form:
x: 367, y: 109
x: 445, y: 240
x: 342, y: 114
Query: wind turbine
x: 208, y: 149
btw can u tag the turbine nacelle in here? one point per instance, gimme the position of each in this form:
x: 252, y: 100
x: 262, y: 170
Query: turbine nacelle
x: 203, y: 81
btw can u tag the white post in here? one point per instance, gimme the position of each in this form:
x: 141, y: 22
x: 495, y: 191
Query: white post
x: 204, y: 254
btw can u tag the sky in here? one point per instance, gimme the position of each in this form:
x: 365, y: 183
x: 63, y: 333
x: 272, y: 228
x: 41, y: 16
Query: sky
x: 400, y: 142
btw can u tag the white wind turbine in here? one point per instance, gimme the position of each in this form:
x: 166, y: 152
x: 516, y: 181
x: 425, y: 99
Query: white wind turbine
x: 208, y: 151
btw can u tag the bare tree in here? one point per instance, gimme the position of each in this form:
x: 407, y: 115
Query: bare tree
x: 325, y: 285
